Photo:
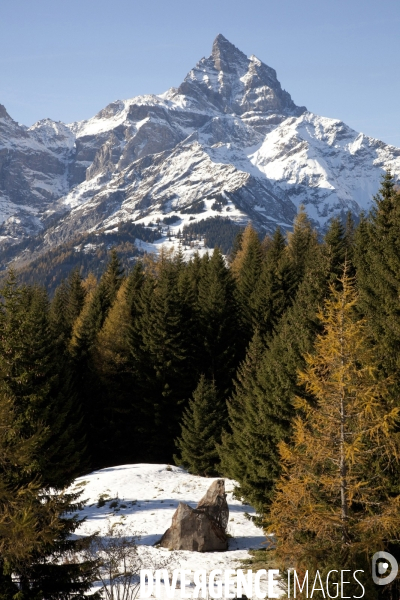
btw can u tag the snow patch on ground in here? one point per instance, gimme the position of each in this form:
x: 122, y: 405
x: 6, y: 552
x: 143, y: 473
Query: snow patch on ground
x: 145, y: 496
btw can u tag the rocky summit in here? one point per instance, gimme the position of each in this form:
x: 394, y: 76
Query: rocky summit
x: 228, y: 142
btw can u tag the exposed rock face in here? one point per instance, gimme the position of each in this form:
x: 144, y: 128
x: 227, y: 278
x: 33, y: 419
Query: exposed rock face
x: 33, y: 172
x: 233, y: 83
x: 201, y: 529
x: 214, y: 504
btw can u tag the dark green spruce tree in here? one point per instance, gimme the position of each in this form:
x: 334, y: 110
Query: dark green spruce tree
x: 275, y: 385
x: 159, y: 364
x: 190, y: 335
x: 76, y: 297
x: 202, y: 423
x: 302, y: 242
x: 377, y: 258
x: 238, y: 448
x: 219, y: 324
x: 338, y: 249
x: 276, y: 286
x: 66, y: 306
x: 58, y: 316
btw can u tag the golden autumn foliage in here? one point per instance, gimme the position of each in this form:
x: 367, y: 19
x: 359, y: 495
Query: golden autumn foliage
x: 113, y: 338
x: 249, y: 241
x: 90, y: 284
x: 333, y: 500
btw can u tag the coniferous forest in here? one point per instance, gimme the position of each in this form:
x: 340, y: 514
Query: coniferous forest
x: 278, y: 367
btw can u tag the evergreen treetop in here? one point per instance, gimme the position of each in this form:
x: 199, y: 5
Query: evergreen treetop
x: 377, y: 259
x: 202, y: 424
x: 302, y: 242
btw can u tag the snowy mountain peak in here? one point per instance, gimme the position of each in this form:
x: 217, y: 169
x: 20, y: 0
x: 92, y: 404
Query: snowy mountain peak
x: 225, y: 55
x: 230, y: 82
x: 229, y: 142
x: 53, y: 135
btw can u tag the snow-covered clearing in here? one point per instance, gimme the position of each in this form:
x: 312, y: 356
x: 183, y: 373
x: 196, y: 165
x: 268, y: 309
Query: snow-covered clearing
x: 144, y: 497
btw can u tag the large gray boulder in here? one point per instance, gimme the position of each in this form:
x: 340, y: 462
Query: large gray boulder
x: 201, y: 529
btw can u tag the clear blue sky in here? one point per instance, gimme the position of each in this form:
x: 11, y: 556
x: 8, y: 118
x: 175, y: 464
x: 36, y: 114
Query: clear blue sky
x: 67, y: 60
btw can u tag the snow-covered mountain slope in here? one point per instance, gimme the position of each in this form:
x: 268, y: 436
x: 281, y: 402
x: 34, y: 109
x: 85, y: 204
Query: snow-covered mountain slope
x: 33, y: 171
x: 143, y: 498
x: 229, y: 133
x: 325, y: 165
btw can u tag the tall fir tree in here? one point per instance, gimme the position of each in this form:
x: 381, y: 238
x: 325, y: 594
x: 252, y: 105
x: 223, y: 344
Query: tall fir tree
x: 194, y: 271
x: 58, y: 316
x: 202, y: 423
x: 287, y: 330
x: 159, y: 363
x: 76, y: 296
x: 187, y: 290
x: 240, y: 441
x: 338, y: 247
x: 219, y: 324
x: 302, y: 243
x: 112, y: 277
x: 377, y: 259
x: 276, y: 286
x: 66, y: 306
x: 246, y: 268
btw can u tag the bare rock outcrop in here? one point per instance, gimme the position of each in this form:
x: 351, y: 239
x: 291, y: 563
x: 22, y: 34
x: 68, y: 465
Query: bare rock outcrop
x: 202, y: 529
x: 214, y: 504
